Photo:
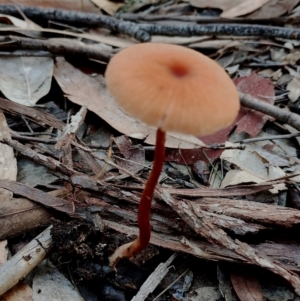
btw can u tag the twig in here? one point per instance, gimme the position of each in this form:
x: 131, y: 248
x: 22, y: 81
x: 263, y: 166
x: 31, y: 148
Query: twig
x: 283, y: 116
x: 170, y: 285
x: 79, y: 18
x: 221, y: 29
x: 154, y: 279
x: 22, y: 263
x: 54, y: 46
x: 206, y: 20
x: 25, y: 53
x: 250, y: 140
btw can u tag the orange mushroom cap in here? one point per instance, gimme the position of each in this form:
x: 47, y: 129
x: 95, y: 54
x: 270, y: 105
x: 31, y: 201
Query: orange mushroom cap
x: 174, y: 88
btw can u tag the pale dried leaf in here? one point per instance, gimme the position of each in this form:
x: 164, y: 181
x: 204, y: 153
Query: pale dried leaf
x: 178, y: 40
x: 137, y: 4
x: 273, y: 9
x: 223, y: 5
x: 246, y: 7
x: 25, y: 80
x: 50, y: 284
x: 247, y: 160
x: 235, y: 177
x: 233, y: 69
x: 278, y: 55
x: 294, y: 88
x: 13, y: 20
x: 3, y: 252
x: 109, y: 7
x: 92, y: 93
x: 215, y: 44
x: 24, y: 24
x: 112, y: 40
x: 292, y: 58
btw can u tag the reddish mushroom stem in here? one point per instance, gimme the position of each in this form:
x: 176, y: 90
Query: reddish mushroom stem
x: 147, y: 196
x: 142, y: 241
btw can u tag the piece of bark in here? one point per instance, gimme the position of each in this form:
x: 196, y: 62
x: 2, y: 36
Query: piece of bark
x: 248, y: 211
x: 202, y: 225
x: 22, y: 263
x: 288, y: 254
x: 71, y: 129
x: 90, y: 161
x: 39, y: 196
x: 39, y: 158
x: 221, y: 192
x: 162, y: 218
x: 8, y: 163
x: 19, y: 216
x: 38, y: 116
x: 153, y: 280
x: 87, y: 182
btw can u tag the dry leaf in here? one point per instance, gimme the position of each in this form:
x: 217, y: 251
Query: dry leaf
x: 292, y: 58
x: 109, y: 7
x: 273, y: 9
x: 49, y: 284
x: 92, y: 93
x: 261, y: 88
x: 235, y: 177
x: 3, y: 252
x: 25, y: 80
x: 223, y: 5
x: 246, y: 7
x: 246, y: 287
x: 294, y: 88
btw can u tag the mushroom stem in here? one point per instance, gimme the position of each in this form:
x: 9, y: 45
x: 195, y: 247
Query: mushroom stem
x: 130, y: 249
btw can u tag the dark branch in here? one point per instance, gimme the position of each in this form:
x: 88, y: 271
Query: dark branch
x: 79, y: 18
x: 221, y: 29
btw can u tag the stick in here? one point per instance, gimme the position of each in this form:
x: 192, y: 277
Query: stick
x: 80, y: 19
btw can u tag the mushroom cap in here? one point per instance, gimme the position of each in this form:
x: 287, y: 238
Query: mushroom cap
x: 174, y: 88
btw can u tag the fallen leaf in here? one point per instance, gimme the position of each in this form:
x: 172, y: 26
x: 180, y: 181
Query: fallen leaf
x: 134, y: 156
x: 109, y: 7
x: 92, y: 93
x: 25, y: 80
x: 273, y: 9
x: 294, y: 88
x: 246, y: 287
x: 3, y: 252
x: 246, y: 7
x: 261, y: 88
x: 292, y: 58
x: 236, y: 177
x: 49, y: 284
x: 223, y: 5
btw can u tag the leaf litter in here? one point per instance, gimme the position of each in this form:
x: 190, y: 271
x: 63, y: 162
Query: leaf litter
x: 265, y: 169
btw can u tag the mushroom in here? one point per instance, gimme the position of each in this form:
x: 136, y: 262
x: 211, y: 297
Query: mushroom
x: 174, y: 89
